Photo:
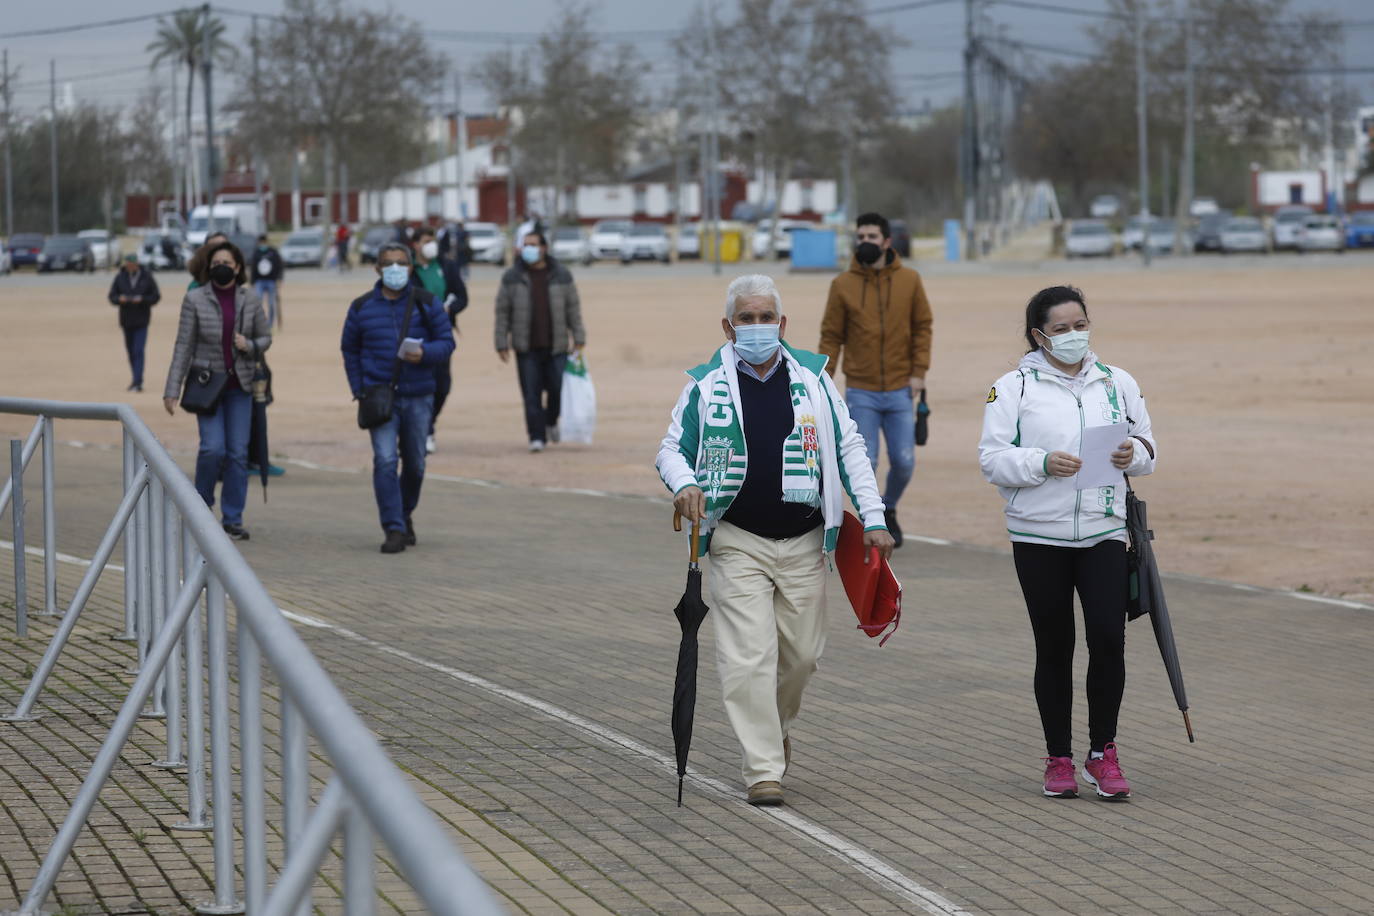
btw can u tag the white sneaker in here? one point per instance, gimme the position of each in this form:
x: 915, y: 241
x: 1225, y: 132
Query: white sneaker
x: 430, y: 445
x: 553, y: 434
x: 537, y: 445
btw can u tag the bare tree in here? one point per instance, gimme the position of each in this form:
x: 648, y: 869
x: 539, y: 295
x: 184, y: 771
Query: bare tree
x: 355, y: 84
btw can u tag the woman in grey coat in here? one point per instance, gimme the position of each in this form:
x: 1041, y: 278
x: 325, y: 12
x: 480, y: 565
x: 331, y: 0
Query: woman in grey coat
x: 223, y: 329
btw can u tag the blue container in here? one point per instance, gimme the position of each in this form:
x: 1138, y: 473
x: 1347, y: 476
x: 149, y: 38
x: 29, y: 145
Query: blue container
x: 953, y: 232
x: 813, y: 249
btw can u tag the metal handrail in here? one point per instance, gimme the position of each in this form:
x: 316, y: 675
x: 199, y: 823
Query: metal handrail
x: 368, y: 793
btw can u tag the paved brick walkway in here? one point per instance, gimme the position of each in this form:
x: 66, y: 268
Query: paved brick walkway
x: 518, y: 665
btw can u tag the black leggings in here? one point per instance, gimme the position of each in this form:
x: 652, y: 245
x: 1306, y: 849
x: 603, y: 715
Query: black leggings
x: 1048, y: 577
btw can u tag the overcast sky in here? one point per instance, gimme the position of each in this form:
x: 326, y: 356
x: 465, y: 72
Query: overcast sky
x: 108, y: 65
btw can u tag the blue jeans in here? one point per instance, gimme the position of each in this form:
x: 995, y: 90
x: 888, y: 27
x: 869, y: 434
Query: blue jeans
x: 894, y: 413
x: 267, y: 292
x: 400, y: 440
x: 541, y: 386
x: 134, y: 341
x: 224, y: 452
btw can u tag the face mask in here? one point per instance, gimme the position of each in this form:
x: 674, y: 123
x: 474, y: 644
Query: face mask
x: 430, y: 250
x: 222, y: 274
x: 530, y: 253
x: 395, y: 276
x: 756, y: 343
x: 1069, y: 347
x: 868, y: 252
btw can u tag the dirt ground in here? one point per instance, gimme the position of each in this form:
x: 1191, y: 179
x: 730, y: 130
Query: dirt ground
x: 1256, y: 371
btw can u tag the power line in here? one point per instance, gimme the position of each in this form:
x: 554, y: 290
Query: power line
x: 1043, y: 7
x: 122, y: 71
x: 86, y: 26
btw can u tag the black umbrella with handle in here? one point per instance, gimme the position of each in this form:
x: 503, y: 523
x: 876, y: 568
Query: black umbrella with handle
x: 690, y: 612
x: 1147, y: 597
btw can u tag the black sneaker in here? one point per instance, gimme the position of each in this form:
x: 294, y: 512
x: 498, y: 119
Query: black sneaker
x: 395, y: 542
x: 237, y: 532
x: 410, y: 533
x: 894, y: 529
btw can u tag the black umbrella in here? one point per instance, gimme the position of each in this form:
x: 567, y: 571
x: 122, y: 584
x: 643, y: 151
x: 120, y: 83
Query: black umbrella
x: 1147, y: 597
x: 690, y: 611
x: 258, y: 451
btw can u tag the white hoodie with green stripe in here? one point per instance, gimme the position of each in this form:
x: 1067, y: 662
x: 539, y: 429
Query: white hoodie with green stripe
x: 705, y: 445
x: 1037, y: 409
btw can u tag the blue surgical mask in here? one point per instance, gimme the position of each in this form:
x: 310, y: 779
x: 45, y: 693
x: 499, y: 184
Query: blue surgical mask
x: 395, y: 276
x: 756, y: 343
x: 530, y: 253
x: 1069, y: 347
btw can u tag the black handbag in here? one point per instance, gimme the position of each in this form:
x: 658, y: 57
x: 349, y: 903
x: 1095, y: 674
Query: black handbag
x: 376, y: 402
x: 204, y: 387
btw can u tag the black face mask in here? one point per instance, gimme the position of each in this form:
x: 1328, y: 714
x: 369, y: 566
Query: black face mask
x: 867, y: 252
x: 222, y: 274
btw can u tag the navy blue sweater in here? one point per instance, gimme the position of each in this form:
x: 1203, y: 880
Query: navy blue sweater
x: 372, y: 334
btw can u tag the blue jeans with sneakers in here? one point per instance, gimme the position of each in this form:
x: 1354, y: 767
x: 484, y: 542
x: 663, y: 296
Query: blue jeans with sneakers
x: 400, y: 441
x: 224, y: 453
x: 894, y: 413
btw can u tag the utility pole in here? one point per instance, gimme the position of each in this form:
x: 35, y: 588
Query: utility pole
x: 460, y: 141
x: 9, y: 142
x: 970, y: 144
x: 257, y: 158
x: 52, y: 83
x: 1142, y: 133
x: 1165, y: 175
x: 1329, y: 154
x: 178, y: 163
x: 1187, y: 183
x: 207, y: 56
x: 713, y: 143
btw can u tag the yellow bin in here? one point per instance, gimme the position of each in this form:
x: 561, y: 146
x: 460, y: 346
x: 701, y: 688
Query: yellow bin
x: 731, y: 243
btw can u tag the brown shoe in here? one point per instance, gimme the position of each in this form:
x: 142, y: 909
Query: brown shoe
x: 767, y: 793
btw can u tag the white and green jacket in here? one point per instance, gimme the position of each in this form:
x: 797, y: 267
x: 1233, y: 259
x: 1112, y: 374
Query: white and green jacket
x: 1035, y: 410
x: 705, y: 445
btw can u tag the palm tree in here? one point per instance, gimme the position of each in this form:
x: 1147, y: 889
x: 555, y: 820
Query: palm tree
x: 183, y: 40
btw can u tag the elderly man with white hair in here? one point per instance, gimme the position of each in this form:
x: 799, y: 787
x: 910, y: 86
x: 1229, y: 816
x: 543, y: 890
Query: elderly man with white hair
x: 760, y: 451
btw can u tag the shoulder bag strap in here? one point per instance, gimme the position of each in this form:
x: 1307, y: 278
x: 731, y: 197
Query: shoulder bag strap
x: 405, y: 326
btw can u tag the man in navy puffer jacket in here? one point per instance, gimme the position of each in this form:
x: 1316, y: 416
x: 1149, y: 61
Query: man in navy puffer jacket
x: 373, y: 337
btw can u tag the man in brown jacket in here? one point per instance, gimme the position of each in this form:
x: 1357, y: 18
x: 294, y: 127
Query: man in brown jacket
x: 878, y: 314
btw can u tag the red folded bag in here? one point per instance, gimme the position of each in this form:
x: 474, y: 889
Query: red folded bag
x: 873, y: 590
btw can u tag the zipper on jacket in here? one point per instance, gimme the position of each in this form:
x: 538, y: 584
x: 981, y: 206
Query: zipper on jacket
x: 1078, y: 499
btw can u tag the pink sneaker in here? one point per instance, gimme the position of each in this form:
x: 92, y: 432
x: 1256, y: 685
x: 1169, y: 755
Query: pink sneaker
x: 1105, y: 775
x: 1059, y: 781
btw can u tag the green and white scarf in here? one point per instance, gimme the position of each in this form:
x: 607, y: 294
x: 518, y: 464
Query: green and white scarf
x: 723, y: 459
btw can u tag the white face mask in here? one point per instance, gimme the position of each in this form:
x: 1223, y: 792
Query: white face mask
x: 430, y: 250
x: 1069, y: 347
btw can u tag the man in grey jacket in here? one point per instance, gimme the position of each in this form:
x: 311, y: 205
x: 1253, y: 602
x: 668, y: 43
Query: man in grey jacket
x: 539, y: 316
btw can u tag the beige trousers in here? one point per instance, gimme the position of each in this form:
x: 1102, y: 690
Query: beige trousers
x: 768, y: 599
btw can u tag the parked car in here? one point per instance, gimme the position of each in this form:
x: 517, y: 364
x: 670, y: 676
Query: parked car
x: 1203, y: 206
x: 105, y: 248
x: 783, y: 247
x: 1161, y: 236
x: 608, y: 236
x: 901, y: 237
x: 487, y: 241
x: 689, y: 241
x: 1207, y: 237
x: 1243, y: 233
x: 1104, y: 206
x: 1089, y: 238
x: 1134, y: 232
x: 1321, y: 232
x: 65, y: 252
x: 1359, y: 229
x: 165, y: 250
x: 302, y: 249
x: 645, y: 242
x: 24, y: 248
x: 373, y: 238
x: 1287, y: 224
x: 571, y: 245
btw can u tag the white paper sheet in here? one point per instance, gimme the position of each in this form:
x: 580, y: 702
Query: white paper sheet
x: 410, y: 345
x: 1098, y: 444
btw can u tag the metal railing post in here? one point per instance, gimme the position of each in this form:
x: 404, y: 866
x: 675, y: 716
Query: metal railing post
x: 30, y: 444
x: 360, y: 889
x: 157, y: 594
x: 130, y: 540
x: 295, y: 778
x: 251, y: 768
x: 110, y: 751
x: 49, y: 521
x: 175, y: 759
x: 293, y: 883
x: 21, y: 585
x: 221, y: 765
x: 142, y: 593
x: 196, y: 817
x: 23, y: 712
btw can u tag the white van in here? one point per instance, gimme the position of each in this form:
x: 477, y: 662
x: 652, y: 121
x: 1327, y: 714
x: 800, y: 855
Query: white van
x: 229, y: 218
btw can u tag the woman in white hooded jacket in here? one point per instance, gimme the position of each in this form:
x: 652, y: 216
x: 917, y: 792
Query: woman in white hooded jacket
x: 1065, y: 539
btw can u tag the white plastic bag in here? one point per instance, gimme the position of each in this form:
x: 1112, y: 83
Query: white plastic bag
x: 577, y: 416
